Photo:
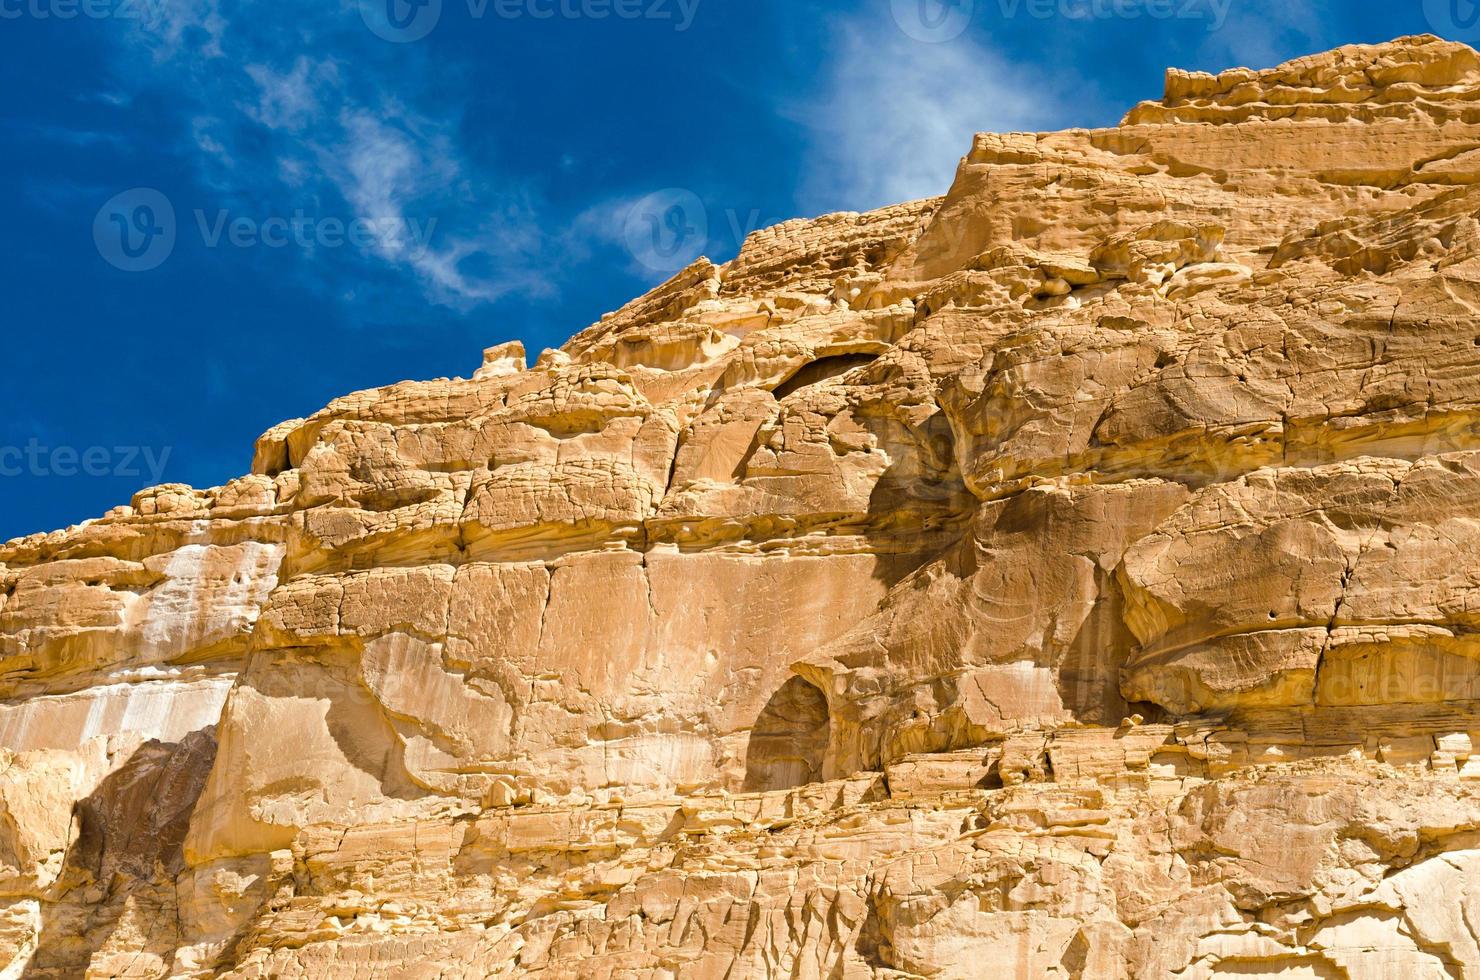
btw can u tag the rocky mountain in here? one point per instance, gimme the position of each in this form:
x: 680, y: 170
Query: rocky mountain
x: 1076, y: 575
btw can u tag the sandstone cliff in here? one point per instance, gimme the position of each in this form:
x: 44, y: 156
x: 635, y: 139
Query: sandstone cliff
x: 1075, y: 575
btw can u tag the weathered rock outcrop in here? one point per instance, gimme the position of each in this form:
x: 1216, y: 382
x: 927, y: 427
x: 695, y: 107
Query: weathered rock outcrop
x: 1076, y: 575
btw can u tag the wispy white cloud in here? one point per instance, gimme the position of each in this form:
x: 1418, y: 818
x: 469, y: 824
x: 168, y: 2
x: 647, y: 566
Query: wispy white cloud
x: 66, y: 135
x: 605, y: 224
x: 896, y: 114
x: 275, y: 130
x: 175, y: 26
x: 289, y: 100
x: 1269, y: 32
x: 380, y: 174
x: 206, y: 132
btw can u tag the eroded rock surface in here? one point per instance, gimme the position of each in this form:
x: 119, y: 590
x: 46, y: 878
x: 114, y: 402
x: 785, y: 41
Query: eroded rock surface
x: 1076, y: 575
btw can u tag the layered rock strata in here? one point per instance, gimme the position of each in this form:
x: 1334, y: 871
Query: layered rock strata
x: 1076, y: 575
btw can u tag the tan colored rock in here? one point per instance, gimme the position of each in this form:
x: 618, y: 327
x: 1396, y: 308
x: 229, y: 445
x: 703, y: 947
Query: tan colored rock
x: 1074, y: 575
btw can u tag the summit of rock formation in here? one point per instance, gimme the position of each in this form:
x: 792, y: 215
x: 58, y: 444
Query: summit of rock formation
x: 1074, y: 575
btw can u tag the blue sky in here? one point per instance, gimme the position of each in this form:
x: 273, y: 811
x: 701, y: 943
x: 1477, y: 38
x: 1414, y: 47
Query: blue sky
x: 217, y: 215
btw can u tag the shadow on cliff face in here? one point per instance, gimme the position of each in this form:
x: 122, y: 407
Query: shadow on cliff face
x: 120, y: 873
x: 1088, y: 677
x: 821, y: 369
x: 920, y: 507
x: 789, y: 740
x: 917, y: 512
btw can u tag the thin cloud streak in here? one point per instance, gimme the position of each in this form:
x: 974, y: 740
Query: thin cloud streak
x: 274, y: 130
x: 896, y: 114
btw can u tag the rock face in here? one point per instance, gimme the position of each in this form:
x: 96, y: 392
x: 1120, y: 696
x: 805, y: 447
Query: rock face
x: 1076, y: 575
